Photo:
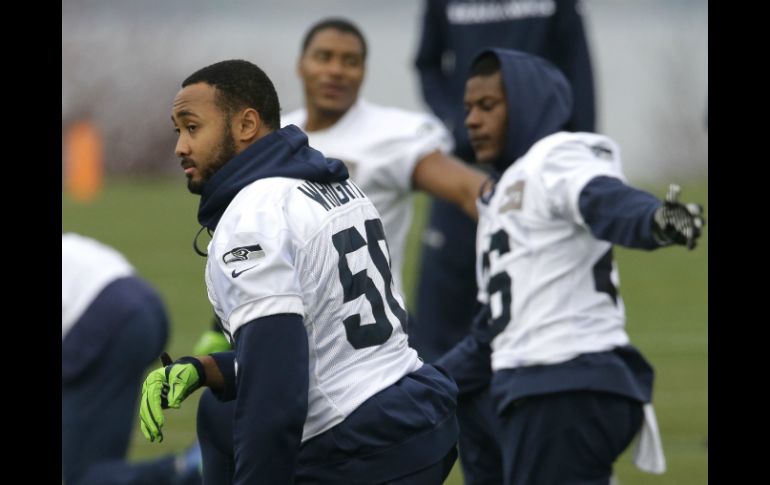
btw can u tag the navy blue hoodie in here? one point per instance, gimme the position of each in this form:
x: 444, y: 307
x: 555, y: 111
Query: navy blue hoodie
x: 282, y: 153
x: 539, y: 102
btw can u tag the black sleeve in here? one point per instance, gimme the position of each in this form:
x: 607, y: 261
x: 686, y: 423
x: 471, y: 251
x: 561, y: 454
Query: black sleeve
x: 271, y: 405
x: 571, y: 55
x: 433, y: 81
x: 618, y: 213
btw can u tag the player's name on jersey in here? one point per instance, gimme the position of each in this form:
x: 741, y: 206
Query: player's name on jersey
x: 331, y: 195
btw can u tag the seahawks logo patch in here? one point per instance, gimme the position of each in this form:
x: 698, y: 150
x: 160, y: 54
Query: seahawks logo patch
x: 244, y: 253
x: 601, y: 151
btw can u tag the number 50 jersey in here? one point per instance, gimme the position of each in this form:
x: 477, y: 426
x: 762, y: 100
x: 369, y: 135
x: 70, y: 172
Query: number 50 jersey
x: 551, y: 285
x: 285, y: 245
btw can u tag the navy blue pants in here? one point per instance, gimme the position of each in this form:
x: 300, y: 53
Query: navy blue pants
x: 215, y: 434
x: 564, y: 438
x: 446, y: 290
x: 101, y: 384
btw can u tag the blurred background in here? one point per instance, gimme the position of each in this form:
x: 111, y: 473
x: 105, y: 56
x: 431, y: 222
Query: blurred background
x: 123, y: 62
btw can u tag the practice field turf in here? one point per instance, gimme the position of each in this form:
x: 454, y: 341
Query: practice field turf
x: 666, y: 296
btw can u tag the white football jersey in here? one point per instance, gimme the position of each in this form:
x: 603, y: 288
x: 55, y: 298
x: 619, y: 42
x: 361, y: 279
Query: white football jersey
x: 380, y: 146
x: 550, y: 282
x: 285, y: 245
x: 87, y: 267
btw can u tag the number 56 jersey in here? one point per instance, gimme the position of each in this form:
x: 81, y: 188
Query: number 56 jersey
x: 286, y: 245
x: 551, y: 285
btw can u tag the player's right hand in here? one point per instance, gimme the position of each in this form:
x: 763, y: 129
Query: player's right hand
x: 151, y: 418
x: 167, y: 387
x: 210, y: 342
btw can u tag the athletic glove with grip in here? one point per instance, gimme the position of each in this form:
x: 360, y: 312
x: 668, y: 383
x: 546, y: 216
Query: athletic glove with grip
x: 677, y: 223
x: 167, y: 387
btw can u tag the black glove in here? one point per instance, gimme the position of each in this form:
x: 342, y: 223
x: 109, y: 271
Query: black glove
x: 677, y: 223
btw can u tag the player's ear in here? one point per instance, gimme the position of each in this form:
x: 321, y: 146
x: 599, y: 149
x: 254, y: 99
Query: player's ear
x: 247, y: 125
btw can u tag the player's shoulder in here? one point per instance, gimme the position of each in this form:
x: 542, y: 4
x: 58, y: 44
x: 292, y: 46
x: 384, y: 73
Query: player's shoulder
x: 564, y: 149
x: 569, y: 144
x: 265, y: 192
x: 85, y: 252
x: 268, y: 207
x: 398, y: 120
x: 296, y: 117
x: 77, y: 244
x: 260, y: 202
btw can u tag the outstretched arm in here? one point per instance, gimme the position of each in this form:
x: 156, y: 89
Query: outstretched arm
x: 621, y: 214
x: 448, y: 178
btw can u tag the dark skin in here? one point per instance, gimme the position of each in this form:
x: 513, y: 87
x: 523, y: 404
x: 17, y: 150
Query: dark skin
x: 214, y: 378
x: 332, y: 71
x: 205, y: 131
x: 487, y: 118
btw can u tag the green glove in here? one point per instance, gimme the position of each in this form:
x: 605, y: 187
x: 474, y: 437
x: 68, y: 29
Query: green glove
x: 174, y: 382
x: 211, y: 341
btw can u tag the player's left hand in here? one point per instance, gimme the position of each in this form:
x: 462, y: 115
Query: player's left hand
x: 677, y: 223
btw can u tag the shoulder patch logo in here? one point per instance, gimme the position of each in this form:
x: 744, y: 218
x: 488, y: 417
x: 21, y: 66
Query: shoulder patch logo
x: 514, y: 197
x: 244, y: 253
x: 601, y: 151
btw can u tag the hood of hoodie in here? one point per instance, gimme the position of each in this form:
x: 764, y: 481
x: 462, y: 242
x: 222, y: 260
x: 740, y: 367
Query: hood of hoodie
x: 282, y: 153
x: 539, y: 100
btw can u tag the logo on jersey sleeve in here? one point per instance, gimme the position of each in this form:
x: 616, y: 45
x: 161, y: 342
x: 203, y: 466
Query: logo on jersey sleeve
x: 243, y: 253
x: 602, y: 151
x: 514, y: 197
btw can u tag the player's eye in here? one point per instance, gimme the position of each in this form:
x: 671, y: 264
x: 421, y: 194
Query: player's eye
x: 322, y: 55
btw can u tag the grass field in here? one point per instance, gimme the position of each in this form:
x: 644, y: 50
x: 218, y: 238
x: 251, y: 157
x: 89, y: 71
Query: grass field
x: 666, y: 295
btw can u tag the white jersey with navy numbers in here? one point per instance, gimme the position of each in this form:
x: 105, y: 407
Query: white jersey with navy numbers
x: 551, y: 284
x: 285, y: 245
x: 87, y: 267
x: 380, y: 147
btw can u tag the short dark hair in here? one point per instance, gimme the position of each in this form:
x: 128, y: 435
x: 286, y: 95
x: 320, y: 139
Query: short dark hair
x: 241, y: 84
x: 485, y: 65
x: 336, y: 23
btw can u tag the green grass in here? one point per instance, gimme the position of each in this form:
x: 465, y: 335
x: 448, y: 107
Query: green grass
x: 666, y: 295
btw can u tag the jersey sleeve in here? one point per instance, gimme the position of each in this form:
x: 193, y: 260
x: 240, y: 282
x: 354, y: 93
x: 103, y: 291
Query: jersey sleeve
x: 570, y: 166
x: 254, y: 269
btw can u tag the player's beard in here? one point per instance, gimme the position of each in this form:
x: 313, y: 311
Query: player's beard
x: 225, y: 151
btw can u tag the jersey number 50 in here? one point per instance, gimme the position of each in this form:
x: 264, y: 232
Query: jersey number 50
x: 354, y: 285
